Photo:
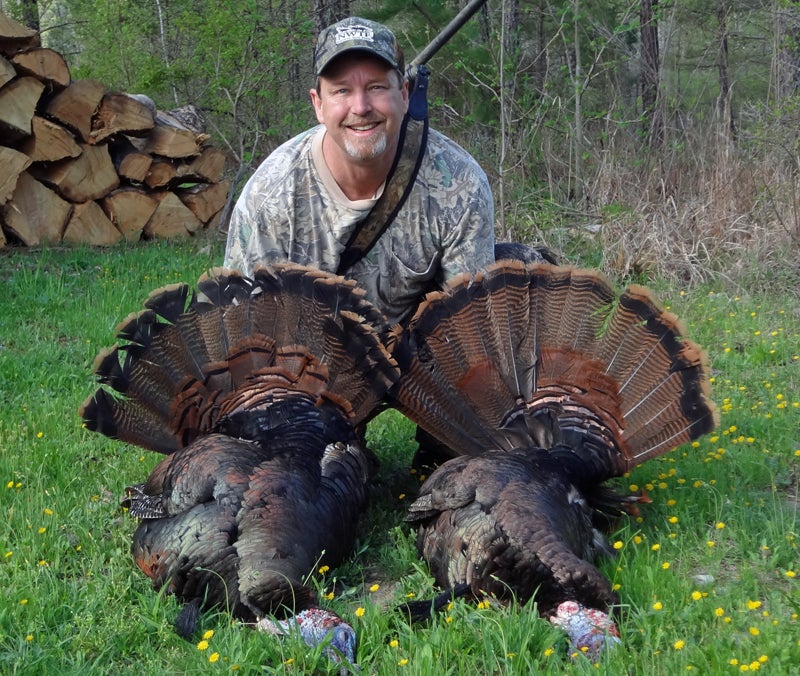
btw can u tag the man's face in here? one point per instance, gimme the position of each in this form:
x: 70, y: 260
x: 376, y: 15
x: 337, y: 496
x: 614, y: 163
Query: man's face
x: 361, y: 101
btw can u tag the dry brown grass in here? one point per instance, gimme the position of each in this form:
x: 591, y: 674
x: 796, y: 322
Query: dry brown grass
x: 708, y: 211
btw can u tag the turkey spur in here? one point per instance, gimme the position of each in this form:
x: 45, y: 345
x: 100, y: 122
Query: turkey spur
x: 541, y: 384
x: 252, y: 388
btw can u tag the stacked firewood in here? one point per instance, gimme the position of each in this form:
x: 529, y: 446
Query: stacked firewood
x: 82, y: 164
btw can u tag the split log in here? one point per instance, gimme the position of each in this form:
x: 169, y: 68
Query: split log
x: 13, y: 164
x: 207, y: 167
x: 7, y: 71
x: 205, y: 200
x: 89, y: 176
x: 120, y: 114
x: 130, y: 164
x: 169, y: 141
x: 129, y: 209
x: 90, y: 225
x: 161, y: 174
x: 18, y: 101
x: 49, y: 142
x: 172, y: 218
x: 14, y: 37
x: 76, y: 105
x: 35, y: 214
x: 44, y: 64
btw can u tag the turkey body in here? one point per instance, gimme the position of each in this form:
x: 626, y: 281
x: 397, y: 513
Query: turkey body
x: 252, y: 388
x: 540, y: 384
x: 511, y: 524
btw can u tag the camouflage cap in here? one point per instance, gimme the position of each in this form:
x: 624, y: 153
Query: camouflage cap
x: 356, y: 33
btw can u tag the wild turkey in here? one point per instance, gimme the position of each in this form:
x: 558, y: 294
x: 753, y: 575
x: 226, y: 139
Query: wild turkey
x: 253, y: 389
x: 542, y: 385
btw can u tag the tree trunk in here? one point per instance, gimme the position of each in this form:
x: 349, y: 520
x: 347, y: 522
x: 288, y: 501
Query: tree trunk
x: 724, y: 107
x: 650, y: 74
x: 327, y: 12
x: 30, y: 13
x: 787, y: 68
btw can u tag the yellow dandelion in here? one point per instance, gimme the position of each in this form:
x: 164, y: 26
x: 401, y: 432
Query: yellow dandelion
x: 324, y: 569
x: 483, y: 605
x: 720, y: 525
x: 360, y: 611
x: 763, y: 659
x: 213, y: 657
x: 203, y: 645
x: 656, y: 547
x: 754, y: 631
x: 8, y: 554
x: 39, y: 435
x: 29, y: 638
x: 401, y: 496
x: 549, y: 651
x: 208, y: 633
x: 719, y: 612
x: 673, y: 519
x: 637, y: 539
x: 42, y: 530
x: 696, y: 595
x: 402, y: 662
x: 679, y: 645
x: 618, y: 544
x: 790, y: 573
x: 665, y: 565
x: 658, y: 605
x: 448, y: 619
x: 329, y: 596
x: 394, y: 643
x: 23, y: 602
x: 374, y: 587
x: 48, y: 511
x: 753, y: 605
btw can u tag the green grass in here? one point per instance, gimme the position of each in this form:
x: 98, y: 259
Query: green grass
x: 709, y: 576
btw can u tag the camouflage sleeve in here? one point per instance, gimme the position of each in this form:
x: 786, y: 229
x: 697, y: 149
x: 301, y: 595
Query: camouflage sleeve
x: 250, y: 240
x: 469, y: 245
x: 465, y: 209
x: 263, y: 219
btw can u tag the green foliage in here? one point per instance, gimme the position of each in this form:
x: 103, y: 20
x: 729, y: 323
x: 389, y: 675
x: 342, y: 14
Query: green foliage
x: 708, y: 575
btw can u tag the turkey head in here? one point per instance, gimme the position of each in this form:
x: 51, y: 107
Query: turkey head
x: 252, y: 388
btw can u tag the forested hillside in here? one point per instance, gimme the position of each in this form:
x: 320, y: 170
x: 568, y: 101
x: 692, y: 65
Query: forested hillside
x: 641, y: 137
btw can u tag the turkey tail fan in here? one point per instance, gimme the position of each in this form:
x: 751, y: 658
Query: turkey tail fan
x: 662, y: 376
x: 535, y: 354
x: 182, y: 356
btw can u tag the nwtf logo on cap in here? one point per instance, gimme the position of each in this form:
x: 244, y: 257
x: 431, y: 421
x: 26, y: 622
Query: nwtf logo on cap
x: 354, y: 32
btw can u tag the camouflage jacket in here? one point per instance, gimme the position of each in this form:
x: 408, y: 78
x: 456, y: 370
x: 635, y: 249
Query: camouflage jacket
x: 292, y: 210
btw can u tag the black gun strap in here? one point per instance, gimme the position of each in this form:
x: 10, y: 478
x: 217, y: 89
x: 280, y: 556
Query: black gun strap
x: 399, y: 182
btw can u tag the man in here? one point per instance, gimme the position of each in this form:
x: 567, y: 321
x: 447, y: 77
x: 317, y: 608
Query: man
x: 306, y: 199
